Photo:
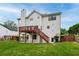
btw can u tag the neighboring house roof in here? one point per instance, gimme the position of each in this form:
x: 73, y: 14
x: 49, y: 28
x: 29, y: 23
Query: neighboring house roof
x: 6, y: 27
x: 43, y: 15
x: 6, y: 32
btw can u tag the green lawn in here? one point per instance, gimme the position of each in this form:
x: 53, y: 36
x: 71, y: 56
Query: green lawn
x: 11, y: 48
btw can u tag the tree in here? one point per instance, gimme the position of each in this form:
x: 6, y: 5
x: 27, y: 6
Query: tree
x: 11, y: 25
x: 74, y: 29
x: 63, y: 31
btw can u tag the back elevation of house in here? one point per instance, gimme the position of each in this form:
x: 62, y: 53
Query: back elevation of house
x: 38, y: 27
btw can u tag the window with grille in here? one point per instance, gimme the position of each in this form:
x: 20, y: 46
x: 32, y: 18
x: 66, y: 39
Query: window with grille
x: 31, y: 19
x: 52, y: 18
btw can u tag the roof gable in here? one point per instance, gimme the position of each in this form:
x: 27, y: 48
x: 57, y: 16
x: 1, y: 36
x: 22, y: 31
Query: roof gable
x: 33, y: 12
x: 43, y: 15
x: 6, y: 27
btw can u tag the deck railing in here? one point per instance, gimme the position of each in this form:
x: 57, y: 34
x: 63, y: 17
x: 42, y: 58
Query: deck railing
x: 34, y: 29
x: 27, y: 28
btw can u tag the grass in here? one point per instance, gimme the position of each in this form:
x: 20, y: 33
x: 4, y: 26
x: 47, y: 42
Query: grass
x: 12, y: 48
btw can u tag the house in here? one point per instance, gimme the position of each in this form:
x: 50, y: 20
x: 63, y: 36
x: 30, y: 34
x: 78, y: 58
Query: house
x: 38, y: 27
x: 5, y: 32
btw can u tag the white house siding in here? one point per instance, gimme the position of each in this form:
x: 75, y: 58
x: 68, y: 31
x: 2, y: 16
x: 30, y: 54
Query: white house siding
x: 22, y: 22
x: 54, y: 26
x: 5, y: 32
x: 42, y: 23
x: 35, y: 21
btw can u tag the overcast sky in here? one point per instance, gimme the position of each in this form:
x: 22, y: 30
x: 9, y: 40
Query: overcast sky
x: 69, y: 16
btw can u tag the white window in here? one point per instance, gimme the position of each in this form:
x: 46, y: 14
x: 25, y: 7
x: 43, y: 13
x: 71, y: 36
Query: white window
x: 31, y: 19
x: 52, y: 18
x: 38, y: 17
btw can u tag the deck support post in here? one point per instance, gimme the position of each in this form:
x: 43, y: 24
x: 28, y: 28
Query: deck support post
x: 19, y: 33
x: 32, y: 37
x: 25, y: 38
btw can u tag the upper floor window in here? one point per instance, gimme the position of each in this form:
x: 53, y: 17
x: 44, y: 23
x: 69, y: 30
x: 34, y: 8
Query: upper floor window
x: 38, y: 17
x: 52, y: 18
x: 31, y: 19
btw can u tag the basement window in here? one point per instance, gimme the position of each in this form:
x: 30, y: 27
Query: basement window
x: 27, y: 37
x: 34, y: 37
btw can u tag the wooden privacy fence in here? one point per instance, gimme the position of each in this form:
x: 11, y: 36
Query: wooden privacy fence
x: 68, y: 38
